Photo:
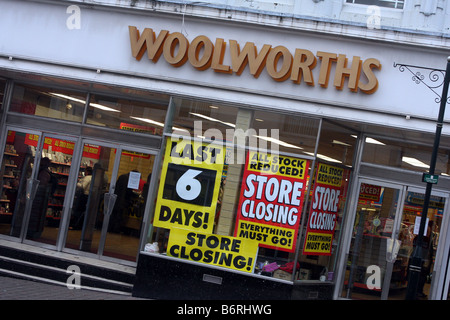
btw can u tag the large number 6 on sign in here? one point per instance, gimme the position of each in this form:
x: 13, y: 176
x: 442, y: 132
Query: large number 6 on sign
x: 189, y: 188
x: 189, y: 184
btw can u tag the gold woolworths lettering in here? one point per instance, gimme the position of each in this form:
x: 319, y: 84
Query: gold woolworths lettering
x: 278, y: 61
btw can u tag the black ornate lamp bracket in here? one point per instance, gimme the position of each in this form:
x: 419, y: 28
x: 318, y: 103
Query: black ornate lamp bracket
x: 434, y: 79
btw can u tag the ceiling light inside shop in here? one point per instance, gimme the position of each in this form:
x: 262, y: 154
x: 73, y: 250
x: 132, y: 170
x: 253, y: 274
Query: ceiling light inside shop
x: 95, y: 105
x: 414, y: 162
x: 63, y: 96
x: 279, y: 142
x: 146, y: 120
x: 102, y: 107
x: 324, y: 157
x: 212, y: 119
x: 370, y: 140
x: 341, y: 143
x: 373, y: 141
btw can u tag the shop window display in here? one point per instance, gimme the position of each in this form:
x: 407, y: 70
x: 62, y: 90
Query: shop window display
x: 49, y: 103
x: 237, y: 205
x: 337, y: 144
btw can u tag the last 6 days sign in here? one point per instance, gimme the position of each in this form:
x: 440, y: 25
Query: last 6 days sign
x: 189, y: 185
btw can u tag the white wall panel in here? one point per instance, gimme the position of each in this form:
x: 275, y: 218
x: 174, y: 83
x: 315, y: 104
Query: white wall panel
x: 38, y: 32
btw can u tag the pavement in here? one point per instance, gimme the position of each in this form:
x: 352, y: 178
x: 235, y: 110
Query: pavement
x: 20, y: 289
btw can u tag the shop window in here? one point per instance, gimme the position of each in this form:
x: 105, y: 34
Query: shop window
x: 2, y: 93
x: 337, y: 144
x: 326, y: 202
x: 322, y: 232
x: 131, y: 115
x: 288, y: 133
x: 405, y: 154
x: 203, y: 119
x: 243, y: 213
x: 50, y: 103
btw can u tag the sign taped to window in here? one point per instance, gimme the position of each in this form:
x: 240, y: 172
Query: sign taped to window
x: 270, y: 206
x: 189, y: 185
x: 323, y: 214
x: 213, y: 249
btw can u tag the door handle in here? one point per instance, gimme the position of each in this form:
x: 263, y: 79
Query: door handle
x: 32, y: 186
x: 110, y: 200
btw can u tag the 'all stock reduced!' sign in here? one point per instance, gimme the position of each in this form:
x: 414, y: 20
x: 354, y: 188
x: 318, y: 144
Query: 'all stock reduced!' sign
x: 271, y: 200
x: 189, y: 185
x: 324, y: 210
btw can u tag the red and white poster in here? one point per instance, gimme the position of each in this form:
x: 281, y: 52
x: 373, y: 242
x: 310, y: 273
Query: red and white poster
x: 326, y: 196
x: 271, y: 201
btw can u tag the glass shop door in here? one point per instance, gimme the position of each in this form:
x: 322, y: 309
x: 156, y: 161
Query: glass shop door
x: 430, y: 275
x: 384, y: 236
x: 36, y: 169
x: 370, y: 260
x: 110, y: 200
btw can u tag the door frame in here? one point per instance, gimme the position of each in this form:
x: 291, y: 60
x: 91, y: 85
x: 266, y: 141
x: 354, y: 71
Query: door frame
x: 36, y: 163
x: 119, y: 146
x: 351, y: 221
x: 70, y: 179
x: 3, y: 140
x: 441, y: 268
x: 438, y: 287
x: 71, y: 185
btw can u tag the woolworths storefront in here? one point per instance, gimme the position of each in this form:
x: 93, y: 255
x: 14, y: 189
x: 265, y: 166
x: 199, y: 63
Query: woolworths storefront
x: 227, y: 160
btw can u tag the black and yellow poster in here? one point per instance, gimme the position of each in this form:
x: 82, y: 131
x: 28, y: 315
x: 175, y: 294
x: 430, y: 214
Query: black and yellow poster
x: 189, y: 185
x: 323, y: 216
x: 222, y: 251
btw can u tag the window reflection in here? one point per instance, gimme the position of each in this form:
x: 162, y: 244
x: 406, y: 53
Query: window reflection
x: 195, y: 118
x: 295, y: 134
x: 403, y: 154
x: 336, y: 144
x: 45, y: 102
x: 131, y: 115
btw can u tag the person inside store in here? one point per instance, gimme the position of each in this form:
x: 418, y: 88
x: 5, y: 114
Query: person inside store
x: 125, y: 203
x: 46, y: 188
x: 426, y: 264
x: 81, y: 196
